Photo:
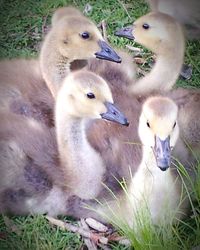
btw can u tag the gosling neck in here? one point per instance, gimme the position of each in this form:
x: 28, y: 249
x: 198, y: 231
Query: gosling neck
x: 158, y: 187
x: 164, y: 74
x: 72, y: 137
x: 54, y: 66
x: 148, y: 162
x: 81, y: 164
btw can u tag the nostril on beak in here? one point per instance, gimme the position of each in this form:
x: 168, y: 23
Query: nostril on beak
x: 108, y: 50
x: 163, y: 168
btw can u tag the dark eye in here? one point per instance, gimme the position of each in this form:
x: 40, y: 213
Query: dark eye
x: 90, y: 95
x: 174, y: 125
x: 148, y: 125
x: 145, y: 26
x: 85, y: 35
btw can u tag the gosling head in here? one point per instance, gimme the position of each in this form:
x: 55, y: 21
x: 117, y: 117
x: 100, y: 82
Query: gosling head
x: 76, y: 37
x: 158, y: 128
x: 64, y: 11
x: 86, y: 95
x: 156, y: 31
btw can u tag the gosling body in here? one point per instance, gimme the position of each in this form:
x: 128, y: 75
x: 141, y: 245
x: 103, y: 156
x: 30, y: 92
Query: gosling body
x: 37, y: 173
x: 187, y: 13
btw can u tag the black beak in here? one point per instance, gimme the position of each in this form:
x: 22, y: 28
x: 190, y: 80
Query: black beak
x: 107, y: 53
x: 162, y: 153
x: 113, y: 114
x: 125, y: 32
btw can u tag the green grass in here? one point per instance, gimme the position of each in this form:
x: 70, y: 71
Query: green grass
x: 21, y: 31
x: 36, y: 233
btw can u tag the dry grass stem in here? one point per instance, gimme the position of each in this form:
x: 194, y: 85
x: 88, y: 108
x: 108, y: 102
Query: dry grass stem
x: 75, y: 229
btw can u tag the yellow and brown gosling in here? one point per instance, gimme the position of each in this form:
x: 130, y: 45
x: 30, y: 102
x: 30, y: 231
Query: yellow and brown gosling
x: 83, y: 97
x: 163, y: 35
x: 23, y: 86
x: 155, y: 190
x: 72, y: 37
x: 40, y: 167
